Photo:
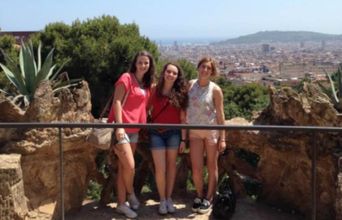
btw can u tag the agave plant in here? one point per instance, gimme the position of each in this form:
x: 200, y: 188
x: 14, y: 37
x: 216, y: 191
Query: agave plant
x: 27, y: 76
x: 336, y: 93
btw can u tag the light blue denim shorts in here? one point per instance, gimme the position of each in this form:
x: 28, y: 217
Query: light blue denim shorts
x: 168, y: 139
x: 129, y: 138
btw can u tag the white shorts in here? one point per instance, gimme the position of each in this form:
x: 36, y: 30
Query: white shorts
x: 210, y: 135
x: 129, y: 138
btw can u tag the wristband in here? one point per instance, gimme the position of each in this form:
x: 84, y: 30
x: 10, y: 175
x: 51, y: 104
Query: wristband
x: 183, y: 140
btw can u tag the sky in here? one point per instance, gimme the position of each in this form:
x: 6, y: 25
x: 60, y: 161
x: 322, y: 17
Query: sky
x: 181, y: 19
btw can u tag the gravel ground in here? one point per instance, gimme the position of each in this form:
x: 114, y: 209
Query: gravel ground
x: 245, y: 209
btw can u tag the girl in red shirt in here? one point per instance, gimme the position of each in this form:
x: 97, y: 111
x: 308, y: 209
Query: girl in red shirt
x: 132, y: 91
x: 168, y: 102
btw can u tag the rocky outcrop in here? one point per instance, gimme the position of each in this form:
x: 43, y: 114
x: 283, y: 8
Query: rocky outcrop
x: 40, y: 147
x: 9, y: 112
x: 310, y: 107
x: 12, y: 203
x: 281, y: 160
x: 284, y: 157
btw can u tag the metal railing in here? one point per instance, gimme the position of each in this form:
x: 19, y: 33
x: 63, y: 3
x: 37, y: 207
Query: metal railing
x: 311, y: 129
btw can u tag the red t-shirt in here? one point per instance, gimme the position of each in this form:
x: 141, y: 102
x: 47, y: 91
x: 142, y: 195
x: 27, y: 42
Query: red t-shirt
x: 169, y: 114
x: 134, y: 108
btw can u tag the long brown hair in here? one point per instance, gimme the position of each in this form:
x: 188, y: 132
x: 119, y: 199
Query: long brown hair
x: 149, y: 75
x: 212, y: 63
x: 179, y: 94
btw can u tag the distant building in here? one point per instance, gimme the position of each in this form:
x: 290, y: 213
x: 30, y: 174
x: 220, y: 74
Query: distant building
x: 300, y: 70
x: 290, y: 70
x: 175, y: 46
x: 323, y: 43
x: 264, y: 68
x: 265, y: 48
x: 18, y: 35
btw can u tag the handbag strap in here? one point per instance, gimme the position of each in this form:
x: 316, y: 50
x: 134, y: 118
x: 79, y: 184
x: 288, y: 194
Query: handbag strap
x: 107, y: 105
x: 161, y: 110
x: 110, y: 100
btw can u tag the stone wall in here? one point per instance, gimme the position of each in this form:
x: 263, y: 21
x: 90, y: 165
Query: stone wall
x: 12, y: 196
x: 39, y: 148
x: 284, y: 166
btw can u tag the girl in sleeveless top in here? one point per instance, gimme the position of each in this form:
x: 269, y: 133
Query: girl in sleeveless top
x: 205, y: 107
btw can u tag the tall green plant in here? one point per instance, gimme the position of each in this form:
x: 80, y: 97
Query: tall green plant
x: 27, y: 76
x: 336, y: 88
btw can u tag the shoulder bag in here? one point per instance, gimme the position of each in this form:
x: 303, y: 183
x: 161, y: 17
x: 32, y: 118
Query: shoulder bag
x: 101, y: 137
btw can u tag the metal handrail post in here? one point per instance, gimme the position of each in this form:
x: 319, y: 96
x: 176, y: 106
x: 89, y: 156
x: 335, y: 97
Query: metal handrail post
x: 61, y: 172
x: 313, y: 178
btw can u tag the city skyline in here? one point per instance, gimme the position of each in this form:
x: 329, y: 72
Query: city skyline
x: 217, y: 19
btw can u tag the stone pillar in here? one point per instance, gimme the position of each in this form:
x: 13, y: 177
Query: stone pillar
x: 338, y: 204
x: 12, y: 197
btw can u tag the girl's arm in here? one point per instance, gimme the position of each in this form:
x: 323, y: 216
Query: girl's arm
x: 218, y: 101
x: 119, y: 95
x: 183, y: 132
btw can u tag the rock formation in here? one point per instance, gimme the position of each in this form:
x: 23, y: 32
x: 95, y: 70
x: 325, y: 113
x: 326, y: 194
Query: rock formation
x: 40, y: 147
x: 12, y: 203
x: 279, y: 161
x: 284, y: 157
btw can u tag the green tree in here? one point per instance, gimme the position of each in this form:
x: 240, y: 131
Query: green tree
x: 242, y: 100
x: 99, y: 50
x: 7, y: 46
x: 189, y: 69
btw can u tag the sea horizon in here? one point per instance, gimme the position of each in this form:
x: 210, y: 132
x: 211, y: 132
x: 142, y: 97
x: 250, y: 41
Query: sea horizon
x: 187, y: 40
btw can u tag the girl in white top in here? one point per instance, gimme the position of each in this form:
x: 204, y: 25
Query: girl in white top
x: 205, y: 107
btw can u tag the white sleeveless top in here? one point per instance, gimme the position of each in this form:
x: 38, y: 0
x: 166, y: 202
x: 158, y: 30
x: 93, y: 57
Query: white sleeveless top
x: 201, y: 109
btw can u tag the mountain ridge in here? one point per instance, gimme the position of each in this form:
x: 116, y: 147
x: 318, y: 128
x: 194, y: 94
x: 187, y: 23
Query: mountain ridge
x: 281, y: 36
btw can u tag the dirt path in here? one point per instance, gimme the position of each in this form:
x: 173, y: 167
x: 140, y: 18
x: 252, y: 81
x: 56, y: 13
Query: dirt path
x: 245, y: 209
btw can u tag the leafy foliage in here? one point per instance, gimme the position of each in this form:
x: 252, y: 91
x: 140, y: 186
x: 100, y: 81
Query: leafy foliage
x: 189, y: 69
x: 7, y: 46
x: 94, y: 190
x: 242, y: 100
x: 99, y: 50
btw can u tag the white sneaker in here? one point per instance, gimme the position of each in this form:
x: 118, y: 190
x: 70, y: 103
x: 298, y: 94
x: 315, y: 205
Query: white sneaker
x: 163, y: 207
x: 205, y: 207
x: 127, y: 211
x: 169, y: 205
x: 133, y: 201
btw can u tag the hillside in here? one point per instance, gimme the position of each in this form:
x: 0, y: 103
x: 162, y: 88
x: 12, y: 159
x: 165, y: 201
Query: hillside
x: 281, y: 36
